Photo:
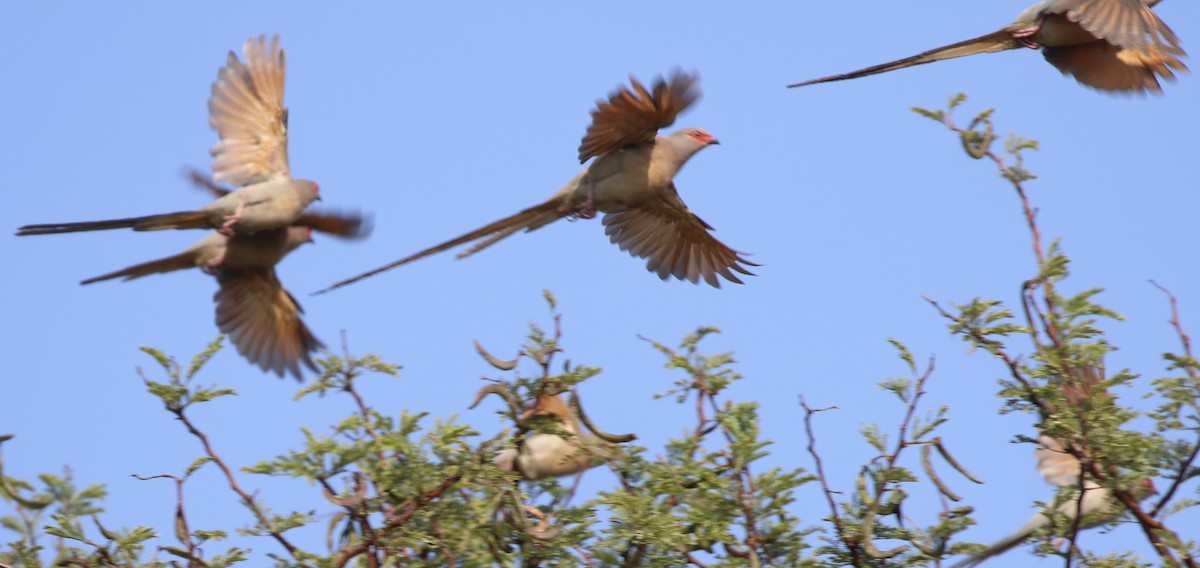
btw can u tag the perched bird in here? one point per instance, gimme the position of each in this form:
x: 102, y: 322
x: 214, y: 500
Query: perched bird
x: 630, y: 180
x: 543, y: 455
x: 1109, y: 45
x: 1059, y: 467
x: 246, y: 109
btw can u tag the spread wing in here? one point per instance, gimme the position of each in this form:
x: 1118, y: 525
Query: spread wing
x: 1128, y: 24
x: 347, y: 225
x: 633, y: 115
x: 263, y: 321
x: 246, y: 109
x: 674, y: 241
x: 1137, y: 45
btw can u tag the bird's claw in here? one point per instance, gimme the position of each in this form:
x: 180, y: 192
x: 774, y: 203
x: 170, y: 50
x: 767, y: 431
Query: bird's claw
x: 231, y: 220
x: 585, y: 211
x: 212, y: 265
x: 1022, y: 35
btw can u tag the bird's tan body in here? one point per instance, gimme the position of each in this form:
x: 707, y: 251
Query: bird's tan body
x: 542, y: 455
x: 627, y: 177
x: 1108, y: 45
x: 1056, y: 30
x: 630, y: 179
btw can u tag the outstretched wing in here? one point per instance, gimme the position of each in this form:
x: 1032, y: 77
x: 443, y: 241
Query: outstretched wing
x: 634, y: 116
x: 674, y: 241
x: 246, y: 109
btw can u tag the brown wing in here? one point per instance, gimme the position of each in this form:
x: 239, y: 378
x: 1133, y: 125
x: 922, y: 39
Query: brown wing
x: 634, y: 116
x: 246, y: 109
x: 205, y: 183
x: 263, y: 321
x: 674, y: 241
x: 1128, y: 24
x: 1100, y: 65
x: 348, y: 225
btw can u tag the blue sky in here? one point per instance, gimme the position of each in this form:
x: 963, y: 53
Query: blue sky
x: 439, y: 119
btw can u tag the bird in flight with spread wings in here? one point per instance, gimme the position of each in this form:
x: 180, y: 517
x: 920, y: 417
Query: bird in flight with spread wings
x: 631, y: 182
x: 1108, y: 45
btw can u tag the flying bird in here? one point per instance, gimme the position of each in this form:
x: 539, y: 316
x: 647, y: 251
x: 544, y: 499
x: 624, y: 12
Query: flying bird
x: 1061, y: 468
x: 260, y: 317
x: 1108, y: 45
x: 631, y: 182
x: 246, y: 109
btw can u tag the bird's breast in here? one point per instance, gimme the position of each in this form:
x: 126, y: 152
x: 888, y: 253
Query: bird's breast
x: 621, y: 180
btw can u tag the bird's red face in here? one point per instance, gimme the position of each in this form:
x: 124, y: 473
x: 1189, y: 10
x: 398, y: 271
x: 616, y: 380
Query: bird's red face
x: 316, y: 190
x: 703, y: 137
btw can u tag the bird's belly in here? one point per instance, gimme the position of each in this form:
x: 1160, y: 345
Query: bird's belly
x: 260, y: 250
x: 621, y: 191
x: 266, y: 216
x: 1058, y: 31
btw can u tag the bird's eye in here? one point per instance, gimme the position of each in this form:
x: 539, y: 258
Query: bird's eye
x: 696, y: 134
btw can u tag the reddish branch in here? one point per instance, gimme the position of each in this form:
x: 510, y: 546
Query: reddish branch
x: 233, y: 484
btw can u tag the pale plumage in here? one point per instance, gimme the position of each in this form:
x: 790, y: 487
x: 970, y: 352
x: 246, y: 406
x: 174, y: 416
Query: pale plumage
x: 246, y: 109
x: 1061, y: 468
x: 543, y: 455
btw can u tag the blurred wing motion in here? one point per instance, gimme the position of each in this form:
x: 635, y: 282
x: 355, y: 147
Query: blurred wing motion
x: 246, y: 109
x: 634, y: 115
x: 263, y: 321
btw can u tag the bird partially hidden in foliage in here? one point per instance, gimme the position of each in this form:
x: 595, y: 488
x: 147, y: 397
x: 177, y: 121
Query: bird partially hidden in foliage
x: 1059, y: 467
x: 1108, y: 45
x: 570, y: 444
x: 543, y: 455
x: 631, y: 181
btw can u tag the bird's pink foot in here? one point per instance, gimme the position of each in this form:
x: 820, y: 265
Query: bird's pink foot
x: 1022, y: 35
x: 587, y: 209
x: 231, y: 220
x: 212, y: 265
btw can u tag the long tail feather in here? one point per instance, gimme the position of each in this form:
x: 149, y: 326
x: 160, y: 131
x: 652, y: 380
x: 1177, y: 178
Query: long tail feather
x: 54, y: 228
x: 990, y: 43
x: 181, y: 261
x: 531, y: 218
x: 178, y: 220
